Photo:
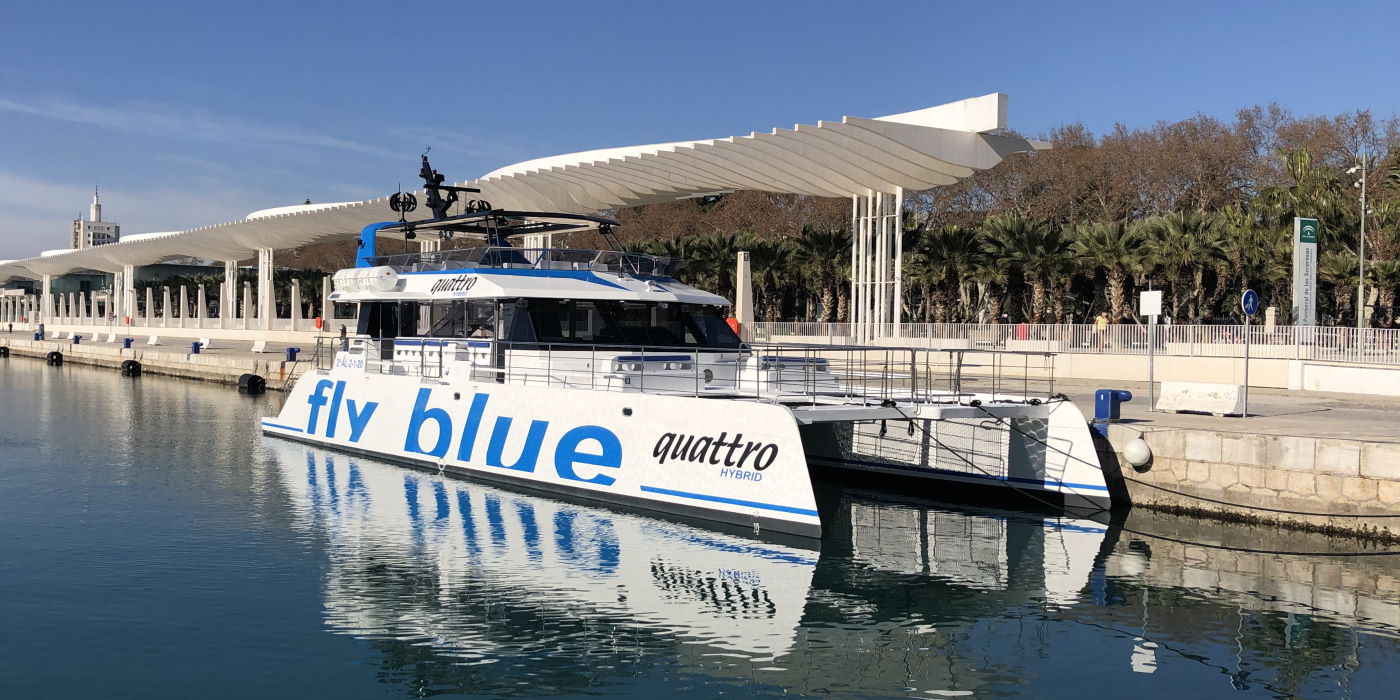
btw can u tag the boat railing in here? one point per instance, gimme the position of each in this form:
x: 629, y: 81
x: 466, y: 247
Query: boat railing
x: 578, y: 259
x: 778, y: 372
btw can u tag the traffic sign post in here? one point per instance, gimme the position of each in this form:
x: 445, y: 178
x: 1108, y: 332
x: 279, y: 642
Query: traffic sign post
x: 1150, y: 305
x: 1249, y: 304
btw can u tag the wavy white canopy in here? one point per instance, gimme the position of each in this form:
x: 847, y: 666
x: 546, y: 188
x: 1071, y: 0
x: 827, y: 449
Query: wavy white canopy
x: 914, y: 150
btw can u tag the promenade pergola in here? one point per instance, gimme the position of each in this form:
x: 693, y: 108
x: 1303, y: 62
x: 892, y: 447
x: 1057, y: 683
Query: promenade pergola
x: 871, y: 161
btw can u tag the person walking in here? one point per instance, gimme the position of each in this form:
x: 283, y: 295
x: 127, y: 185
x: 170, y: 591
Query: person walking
x: 1101, y: 329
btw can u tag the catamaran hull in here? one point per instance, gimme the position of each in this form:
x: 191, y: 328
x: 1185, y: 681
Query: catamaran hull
x: 737, y: 462
x: 1044, y: 452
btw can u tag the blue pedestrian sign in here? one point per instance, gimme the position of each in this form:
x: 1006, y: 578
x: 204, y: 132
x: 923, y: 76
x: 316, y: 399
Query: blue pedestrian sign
x: 1249, y: 302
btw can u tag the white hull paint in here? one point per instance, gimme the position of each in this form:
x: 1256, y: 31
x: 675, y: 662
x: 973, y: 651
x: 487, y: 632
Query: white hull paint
x: 739, y: 462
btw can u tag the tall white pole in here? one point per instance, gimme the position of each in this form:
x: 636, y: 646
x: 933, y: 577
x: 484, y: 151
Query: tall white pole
x: 1361, y: 256
x: 898, y: 259
x: 877, y: 221
x: 852, y: 315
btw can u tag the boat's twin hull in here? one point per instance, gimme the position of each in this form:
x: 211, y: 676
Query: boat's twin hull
x: 740, y: 462
x: 1046, y: 451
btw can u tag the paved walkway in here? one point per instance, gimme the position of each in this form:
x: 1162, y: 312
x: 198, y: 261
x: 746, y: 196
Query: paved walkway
x: 1271, y: 412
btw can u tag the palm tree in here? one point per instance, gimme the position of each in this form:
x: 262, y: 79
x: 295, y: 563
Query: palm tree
x: 951, y: 253
x: 1112, y: 247
x: 1034, y: 248
x: 921, y: 271
x: 771, y: 262
x: 1385, y: 275
x: 990, y: 277
x: 1311, y: 192
x: 1184, y: 246
x: 1338, y: 269
x: 825, y: 256
x: 714, y: 259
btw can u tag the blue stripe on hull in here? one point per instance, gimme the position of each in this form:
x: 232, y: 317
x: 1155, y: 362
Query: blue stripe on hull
x: 730, y: 501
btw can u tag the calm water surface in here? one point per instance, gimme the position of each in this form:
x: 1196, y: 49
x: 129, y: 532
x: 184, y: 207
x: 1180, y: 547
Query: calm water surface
x: 153, y: 545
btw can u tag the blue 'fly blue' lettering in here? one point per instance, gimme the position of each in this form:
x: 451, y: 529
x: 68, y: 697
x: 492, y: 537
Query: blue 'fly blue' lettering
x: 358, y: 415
x: 567, y: 454
x: 422, y: 414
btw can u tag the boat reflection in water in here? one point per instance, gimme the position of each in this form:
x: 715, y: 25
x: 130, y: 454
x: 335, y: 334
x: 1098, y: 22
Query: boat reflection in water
x: 460, y: 586
x: 432, y: 566
x: 425, y: 557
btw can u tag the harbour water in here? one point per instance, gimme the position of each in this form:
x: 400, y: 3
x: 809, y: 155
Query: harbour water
x: 153, y: 544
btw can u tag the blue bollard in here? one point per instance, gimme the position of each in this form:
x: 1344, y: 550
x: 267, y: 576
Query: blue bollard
x: 126, y: 343
x: 292, y: 354
x: 1107, y: 404
x: 194, y: 347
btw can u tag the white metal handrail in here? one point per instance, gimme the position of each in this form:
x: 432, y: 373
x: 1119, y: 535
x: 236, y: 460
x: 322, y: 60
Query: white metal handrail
x: 776, y: 372
x: 1316, y: 343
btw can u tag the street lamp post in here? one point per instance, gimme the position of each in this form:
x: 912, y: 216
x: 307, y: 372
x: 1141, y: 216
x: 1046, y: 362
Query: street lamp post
x: 1361, y: 247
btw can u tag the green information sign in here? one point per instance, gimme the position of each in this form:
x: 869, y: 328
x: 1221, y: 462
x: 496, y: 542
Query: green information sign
x: 1304, y: 271
x: 1307, y: 230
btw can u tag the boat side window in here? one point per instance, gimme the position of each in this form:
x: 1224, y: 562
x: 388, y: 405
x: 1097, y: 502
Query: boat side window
x: 481, y: 318
x: 379, y: 319
x: 626, y: 323
x: 563, y: 321
x: 651, y: 324
x: 711, y: 323
x: 413, y: 319
x: 449, y: 319
x: 514, y: 321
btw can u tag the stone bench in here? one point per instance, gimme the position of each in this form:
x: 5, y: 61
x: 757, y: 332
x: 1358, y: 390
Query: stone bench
x: 1201, y: 397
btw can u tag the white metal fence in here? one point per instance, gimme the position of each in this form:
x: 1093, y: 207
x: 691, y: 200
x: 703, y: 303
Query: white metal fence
x: 1362, y: 345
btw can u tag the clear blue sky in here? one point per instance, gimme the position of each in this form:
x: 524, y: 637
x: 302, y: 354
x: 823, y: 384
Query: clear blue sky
x: 189, y: 114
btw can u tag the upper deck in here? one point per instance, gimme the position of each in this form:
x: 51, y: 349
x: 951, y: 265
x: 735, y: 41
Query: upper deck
x: 497, y: 268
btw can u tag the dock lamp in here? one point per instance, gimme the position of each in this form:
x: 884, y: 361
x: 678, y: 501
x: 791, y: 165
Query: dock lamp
x: 1361, y: 247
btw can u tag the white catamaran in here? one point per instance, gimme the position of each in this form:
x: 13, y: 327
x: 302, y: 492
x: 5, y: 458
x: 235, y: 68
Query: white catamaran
x: 596, y: 373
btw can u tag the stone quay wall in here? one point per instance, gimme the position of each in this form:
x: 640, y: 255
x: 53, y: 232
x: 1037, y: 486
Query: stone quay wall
x: 211, y: 367
x: 1313, y: 483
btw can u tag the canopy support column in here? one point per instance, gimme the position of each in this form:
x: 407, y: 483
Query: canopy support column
x: 247, y: 303
x: 125, y: 292
x: 46, y: 300
x: 743, y: 296
x: 877, y: 256
x: 266, y: 310
x: 228, y: 294
x: 295, y: 303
